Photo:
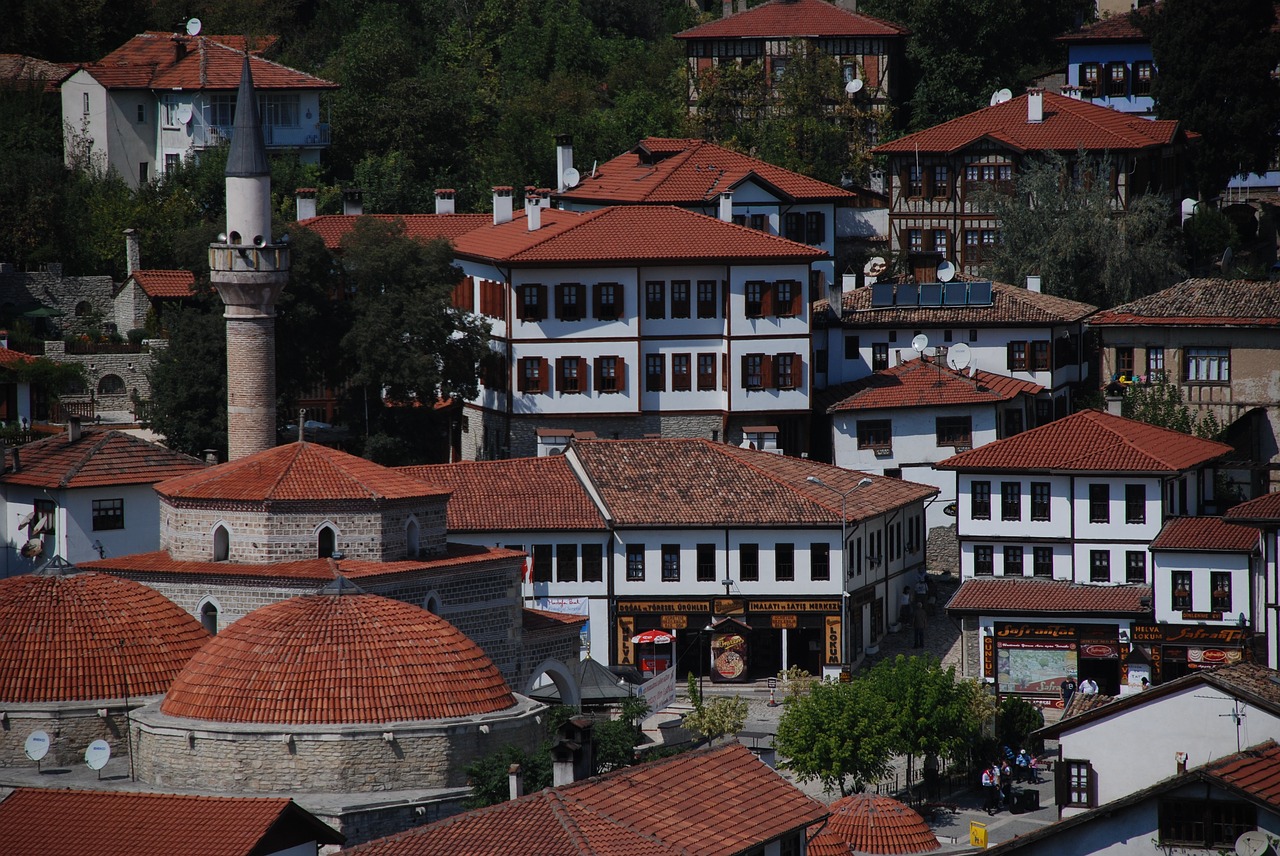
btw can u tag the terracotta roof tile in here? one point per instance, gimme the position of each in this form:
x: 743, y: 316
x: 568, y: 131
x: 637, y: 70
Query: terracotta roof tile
x: 1200, y: 303
x: 532, y: 493
x: 1206, y: 534
x: 540, y: 620
x: 917, y: 383
x: 710, y: 801
x: 1265, y: 508
x: 1255, y: 771
x: 166, y: 283
x: 690, y: 171
x: 1091, y: 441
x: 327, y: 658
x: 870, y: 823
x: 19, y: 71
x: 60, y: 635
x: 98, y: 458
x: 1115, y: 28
x: 12, y: 359
x: 332, y: 228
x: 1069, y: 125
x: 1020, y: 596
x: 172, y: 61
x: 1011, y: 305
x: 297, y: 472
x: 43, y: 822
x: 693, y: 482
x: 794, y: 19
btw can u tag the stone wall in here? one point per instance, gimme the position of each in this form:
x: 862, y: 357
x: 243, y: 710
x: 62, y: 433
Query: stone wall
x: 23, y: 291
x: 562, y: 644
x: 71, y: 727
x: 942, y: 550
x: 364, y: 823
x: 970, y: 648
x: 524, y: 438
x: 133, y: 369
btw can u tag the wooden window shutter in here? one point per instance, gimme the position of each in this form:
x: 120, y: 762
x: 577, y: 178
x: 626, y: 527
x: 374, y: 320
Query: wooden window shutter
x: 767, y: 294
x: 766, y: 372
x: 598, y: 371
x: 621, y: 380
x: 462, y: 295
x: 541, y: 313
x: 1093, y: 786
x: 560, y: 301
x: 744, y: 371
x: 1009, y: 356
x: 597, y: 291
x: 544, y: 376
x: 555, y: 385
x: 581, y: 291
x: 1061, y: 782
x: 582, y: 375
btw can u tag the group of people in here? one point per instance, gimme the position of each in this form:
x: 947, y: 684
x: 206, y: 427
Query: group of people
x: 914, y: 608
x: 1069, y: 688
x: 998, y: 779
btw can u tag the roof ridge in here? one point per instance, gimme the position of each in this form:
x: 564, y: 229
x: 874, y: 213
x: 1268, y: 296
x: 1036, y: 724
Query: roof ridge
x: 559, y: 810
x: 284, y: 471
x: 74, y: 469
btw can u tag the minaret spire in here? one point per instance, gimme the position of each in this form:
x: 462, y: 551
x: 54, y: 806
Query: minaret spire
x: 248, y: 156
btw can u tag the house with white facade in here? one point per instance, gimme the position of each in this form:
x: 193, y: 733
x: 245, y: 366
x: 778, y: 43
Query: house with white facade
x: 1264, y: 513
x: 902, y: 420
x: 686, y: 534
x: 160, y: 98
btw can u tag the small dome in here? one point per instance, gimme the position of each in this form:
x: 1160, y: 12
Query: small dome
x: 874, y: 824
x: 338, y: 658
x: 89, y: 636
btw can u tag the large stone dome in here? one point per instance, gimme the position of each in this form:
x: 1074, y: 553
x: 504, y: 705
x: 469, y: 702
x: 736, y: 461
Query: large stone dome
x: 87, y: 636
x: 338, y: 657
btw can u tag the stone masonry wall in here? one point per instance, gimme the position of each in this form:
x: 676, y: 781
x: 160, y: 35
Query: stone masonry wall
x: 133, y: 369
x: 251, y: 386
x: 562, y: 644
x: 71, y: 728
x: 524, y: 438
x: 942, y: 550
x: 23, y: 291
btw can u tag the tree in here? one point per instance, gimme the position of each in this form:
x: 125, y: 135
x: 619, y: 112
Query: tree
x: 718, y: 717
x: 1217, y: 63
x: 1017, y: 720
x: 1061, y: 221
x: 614, y: 741
x: 836, y: 734
x: 489, y: 777
x: 189, y: 380
x: 1160, y: 403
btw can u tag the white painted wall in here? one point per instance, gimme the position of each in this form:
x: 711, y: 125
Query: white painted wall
x: 75, y: 536
x: 1201, y: 566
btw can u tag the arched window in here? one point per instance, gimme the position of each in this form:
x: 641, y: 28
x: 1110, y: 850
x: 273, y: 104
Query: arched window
x: 432, y: 604
x: 326, y: 540
x: 111, y: 385
x: 411, y: 538
x: 221, y: 544
x: 84, y: 308
x: 209, y: 617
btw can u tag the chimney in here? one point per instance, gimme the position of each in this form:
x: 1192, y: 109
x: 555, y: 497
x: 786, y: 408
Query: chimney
x: 515, y: 781
x: 4, y: 339
x: 305, y: 199
x: 1035, y: 106
x: 445, y: 200
x: 564, y: 158
x: 210, y: 456
x: 727, y: 9
x: 73, y: 429
x: 544, y: 197
x: 132, y: 251
x: 532, y: 210
x: 501, y: 205
x: 1075, y: 93
x: 353, y: 201
x: 1033, y: 282
x: 726, y: 206
x: 562, y: 755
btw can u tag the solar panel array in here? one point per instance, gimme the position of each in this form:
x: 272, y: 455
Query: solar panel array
x: 885, y: 294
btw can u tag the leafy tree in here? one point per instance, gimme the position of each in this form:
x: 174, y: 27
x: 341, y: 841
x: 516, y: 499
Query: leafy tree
x: 1017, y: 720
x: 189, y: 380
x: 1208, y: 232
x: 489, y: 777
x: 837, y: 734
x: 718, y: 717
x: 1216, y: 64
x: 614, y: 741
x: 1161, y: 404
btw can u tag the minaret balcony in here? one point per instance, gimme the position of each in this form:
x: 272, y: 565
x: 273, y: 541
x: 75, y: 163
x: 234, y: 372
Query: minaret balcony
x: 269, y: 258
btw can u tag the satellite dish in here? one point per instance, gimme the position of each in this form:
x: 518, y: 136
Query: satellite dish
x: 946, y: 272
x: 97, y: 755
x: 853, y: 87
x: 193, y: 27
x: 37, y: 745
x: 184, y: 114
x: 1000, y: 96
x: 1227, y: 257
x: 32, y: 548
x: 919, y: 343
x: 1252, y: 843
x: 959, y: 356
x: 875, y: 266
x: 570, y: 177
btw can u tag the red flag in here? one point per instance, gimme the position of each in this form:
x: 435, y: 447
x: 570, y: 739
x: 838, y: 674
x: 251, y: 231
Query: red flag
x: 528, y: 569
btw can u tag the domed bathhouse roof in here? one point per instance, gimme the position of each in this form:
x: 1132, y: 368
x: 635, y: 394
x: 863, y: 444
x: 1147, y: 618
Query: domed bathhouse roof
x: 869, y: 823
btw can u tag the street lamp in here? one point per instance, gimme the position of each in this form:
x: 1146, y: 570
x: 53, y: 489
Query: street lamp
x: 844, y: 557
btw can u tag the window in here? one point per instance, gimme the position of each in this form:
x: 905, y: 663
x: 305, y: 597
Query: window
x: 1155, y: 361
x: 110, y: 384
x: 819, y: 562
x: 209, y: 617
x: 940, y: 241
x: 749, y: 562
x: 1124, y: 362
x: 1144, y: 74
x: 1090, y: 78
x: 1039, y: 500
x: 542, y: 563
x: 759, y: 223
x: 1013, y: 561
x: 608, y: 301
x: 1078, y: 785
x: 851, y: 350
x: 820, y: 360
x: 1209, y: 824
x: 1135, y: 566
x: 784, y: 370
x: 875, y: 434
x: 1117, y: 79
x: 1041, y: 357
x: 533, y: 303
x: 108, y: 514
x: 326, y: 542
x: 221, y: 541
x: 915, y: 240
x: 753, y: 371
x: 86, y: 104
x: 278, y: 109
x: 793, y: 226
x: 941, y: 182
x: 1012, y: 423
x: 569, y: 299
x: 681, y: 379
x: 655, y: 300
x: 566, y: 563
x: 608, y: 374
x: 954, y: 430
x: 973, y: 334
x: 635, y: 562
x: 1042, y: 562
x: 706, y: 372
x: 980, y: 500
x: 1135, y: 503
x: 221, y: 111
x: 755, y: 300
x: 1220, y: 592
x: 1010, y: 500
x: 706, y: 569
x: 1099, y: 503
x: 532, y: 374
x: 983, y: 560
x: 592, y: 563
x: 569, y: 375
x: 670, y: 563
x: 1180, y: 589
x: 786, y: 298
x: 655, y: 373
x: 1099, y: 566
x: 412, y: 545
x: 879, y: 356
x: 142, y: 113
x: 1208, y: 365
x: 915, y: 181
x: 707, y: 298
x: 143, y: 172
x: 1017, y: 356
x: 815, y: 227
x: 680, y: 298
x: 784, y: 562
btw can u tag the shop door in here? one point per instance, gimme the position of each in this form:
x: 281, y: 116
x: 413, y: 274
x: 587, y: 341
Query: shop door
x: 766, y: 653
x: 804, y: 648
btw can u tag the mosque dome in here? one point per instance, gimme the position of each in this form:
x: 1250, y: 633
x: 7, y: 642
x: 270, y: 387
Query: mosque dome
x: 869, y: 823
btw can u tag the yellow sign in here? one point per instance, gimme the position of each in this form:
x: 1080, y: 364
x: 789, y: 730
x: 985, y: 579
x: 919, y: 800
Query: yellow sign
x: 675, y: 622
x: 637, y: 606
x: 626, y: 649
x: 977, y: 834
x: 835, y: 648
x: 728, y: 606
x: 795, y: 606
x: 789, y: 622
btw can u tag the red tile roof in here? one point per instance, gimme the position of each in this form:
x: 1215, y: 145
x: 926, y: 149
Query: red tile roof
x: 1265, y: 508
x: 540, y: 620
x: 97, y: 459
x: 1011, y: 306
x: 694, y: 482
x: 870, y: 823
x: 1255, y: 771
x: 1069, y: 125
x: 1019, y: 596
x: 1116, y: 28
x: 1200, y: 303
x: 1091, y: 441
x: 794, y: 19
x: 166, y: 283
x: 532, y: 493
x: 19, y: 71
x: 709, y: 802
x: 332, y: 228
x: 917, y: 383
x: 42, y: 822
x: 12, y: 359
x: 172, y: 61
x: 337, y: 658
x: 297, y: 472
x: 1206, y: 534
x: 629, y: 234
x: 60, y: 638
x: 690, y: 171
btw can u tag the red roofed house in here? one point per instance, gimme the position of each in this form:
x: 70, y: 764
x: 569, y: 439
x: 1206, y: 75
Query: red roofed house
x: 159, y: 97
x: 1264, y: 513
x: 933, y: 174
x: 1064, y: 513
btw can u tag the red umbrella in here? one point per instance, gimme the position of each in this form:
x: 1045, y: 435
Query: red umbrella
x: 653, y: 637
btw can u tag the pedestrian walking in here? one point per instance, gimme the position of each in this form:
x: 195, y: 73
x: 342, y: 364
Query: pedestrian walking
x: 1034, y: 770
x: 1022, y: 766
x: 1006, y: 785
x: 904, y: 606
x: 990, y: 783
x: 1088, y: 687
x: 919, y: 622
x: 1068, y: 690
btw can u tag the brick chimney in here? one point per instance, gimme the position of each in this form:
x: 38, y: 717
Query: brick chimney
x: 353, y: 201
x: 305, y: 201
x: 132, y: 251
x: 502, y: 205
x: 1035, y: 106
x: 445, y: 200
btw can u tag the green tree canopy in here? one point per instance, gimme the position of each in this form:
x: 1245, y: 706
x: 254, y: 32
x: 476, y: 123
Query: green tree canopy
x: 929, y: 712
x: 838, y: 734
x: 189, y: 380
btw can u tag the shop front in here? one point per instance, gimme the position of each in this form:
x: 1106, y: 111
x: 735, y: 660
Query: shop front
x: 732, y: 639
x: 1031, y: 661
x: 1174, y: 650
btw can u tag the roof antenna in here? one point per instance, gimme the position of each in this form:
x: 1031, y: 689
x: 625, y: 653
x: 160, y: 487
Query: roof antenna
x: 302, y: 424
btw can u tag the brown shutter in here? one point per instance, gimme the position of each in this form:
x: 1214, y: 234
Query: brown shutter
x: 555, y: 385
x: 583, y: 377
x: 598, y: 371
x: 544, y: 375
x: 744, y: 372
x: 767, y: 299
x: 1061, y: 782
x: 560, y: 301
x: 1009, y: 357
x: 596, y: 294
x: 766, y: 372
x: 581, y: 291
x: 540, y: 314
x: 621, y: 380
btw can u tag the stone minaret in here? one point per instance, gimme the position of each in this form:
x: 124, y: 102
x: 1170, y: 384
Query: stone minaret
x: 249, y: 270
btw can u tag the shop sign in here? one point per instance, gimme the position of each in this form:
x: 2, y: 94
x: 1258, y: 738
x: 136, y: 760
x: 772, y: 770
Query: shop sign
x: 783, y: 622
x: 626, y: 648
x: 668, y: 606
x: 1099, y: 650
x: 1207, y: 658
x: 835, y: 648
x: 988, y: 656
x: 729, y: 606
x: 1036, y: 631
x: 729, y: 657
x: 1202, y: 616
x: 675, y: 622
x: 795, y: 605
x: 1219, y: 635
x: 1147, y: 633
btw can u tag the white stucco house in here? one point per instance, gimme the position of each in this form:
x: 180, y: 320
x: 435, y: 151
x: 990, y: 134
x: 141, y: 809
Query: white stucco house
x: 1264, y: 514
